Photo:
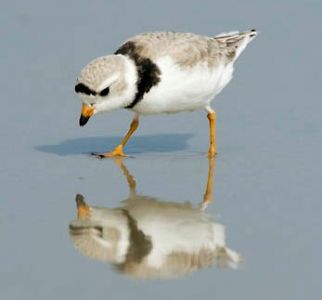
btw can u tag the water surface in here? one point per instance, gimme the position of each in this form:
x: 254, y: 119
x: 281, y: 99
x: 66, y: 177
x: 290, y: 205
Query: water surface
x: 267, y: 183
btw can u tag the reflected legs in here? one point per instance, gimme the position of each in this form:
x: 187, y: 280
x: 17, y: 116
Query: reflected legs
x: 207, y: 198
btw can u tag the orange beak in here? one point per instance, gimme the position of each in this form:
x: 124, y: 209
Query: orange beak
x: 87, y: 112
x: 83, y: 210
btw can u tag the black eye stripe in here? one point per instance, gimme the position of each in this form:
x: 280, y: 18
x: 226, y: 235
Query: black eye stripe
x: 105, y: 91
x: 84, y: 89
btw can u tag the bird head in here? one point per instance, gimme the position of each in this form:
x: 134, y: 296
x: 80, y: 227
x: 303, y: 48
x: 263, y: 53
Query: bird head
x: 105, y: 84
x: 100, y: 233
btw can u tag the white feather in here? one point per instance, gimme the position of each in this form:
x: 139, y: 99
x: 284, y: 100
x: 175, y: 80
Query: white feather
x: 227, y: 33
x: 184, y: 89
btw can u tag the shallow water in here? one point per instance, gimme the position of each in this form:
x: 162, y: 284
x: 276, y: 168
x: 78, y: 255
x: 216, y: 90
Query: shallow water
x: 266, y: 195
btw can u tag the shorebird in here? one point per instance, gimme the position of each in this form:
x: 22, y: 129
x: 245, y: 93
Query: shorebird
x: 161, y: 72
x: 147, y: 237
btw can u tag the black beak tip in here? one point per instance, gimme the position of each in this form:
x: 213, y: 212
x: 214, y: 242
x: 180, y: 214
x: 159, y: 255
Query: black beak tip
x: 83, y: 120
x: 80, y: 200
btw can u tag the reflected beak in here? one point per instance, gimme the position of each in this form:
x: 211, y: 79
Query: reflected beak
x: 87, y: 112
x: 83, y: 210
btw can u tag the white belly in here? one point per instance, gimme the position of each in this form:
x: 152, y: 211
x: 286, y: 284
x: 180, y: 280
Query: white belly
x: 184, y: 89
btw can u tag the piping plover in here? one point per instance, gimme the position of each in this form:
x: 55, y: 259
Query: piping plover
x: 161, y: 72
x: 147, y: 237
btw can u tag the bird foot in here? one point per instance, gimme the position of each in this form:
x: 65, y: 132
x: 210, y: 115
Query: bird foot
x: 117, y: 152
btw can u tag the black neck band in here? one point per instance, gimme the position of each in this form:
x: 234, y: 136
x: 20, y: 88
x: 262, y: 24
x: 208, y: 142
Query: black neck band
x: 148, y: 72
x: 140, y: 245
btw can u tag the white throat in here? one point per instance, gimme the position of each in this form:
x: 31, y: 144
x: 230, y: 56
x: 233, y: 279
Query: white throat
x: 131, y: 78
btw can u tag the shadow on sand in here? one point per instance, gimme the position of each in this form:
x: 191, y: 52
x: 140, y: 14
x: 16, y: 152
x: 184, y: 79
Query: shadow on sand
x: 138, y: 144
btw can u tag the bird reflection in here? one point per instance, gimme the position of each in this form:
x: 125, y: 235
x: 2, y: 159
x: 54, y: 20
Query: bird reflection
x: 149, y: 238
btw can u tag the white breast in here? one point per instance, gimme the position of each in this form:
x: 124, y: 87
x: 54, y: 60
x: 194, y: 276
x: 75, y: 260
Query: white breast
x: 184, y: 89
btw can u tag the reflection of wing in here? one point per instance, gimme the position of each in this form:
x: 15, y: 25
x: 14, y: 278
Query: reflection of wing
x: 151, y: 238
x: 178, y: 264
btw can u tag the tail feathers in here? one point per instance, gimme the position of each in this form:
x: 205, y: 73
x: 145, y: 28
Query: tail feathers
x: 235, y: 36
x: 235, y: 42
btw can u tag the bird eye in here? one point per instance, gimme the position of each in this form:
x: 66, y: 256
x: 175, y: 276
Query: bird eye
x: 84, y: 89
x: 105, y: 91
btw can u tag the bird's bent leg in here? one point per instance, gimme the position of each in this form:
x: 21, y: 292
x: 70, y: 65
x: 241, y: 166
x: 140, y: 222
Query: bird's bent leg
x: 118, y: 151
x: 212, y: 127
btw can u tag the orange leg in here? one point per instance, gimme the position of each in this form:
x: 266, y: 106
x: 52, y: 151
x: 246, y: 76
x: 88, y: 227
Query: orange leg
x: 118, y: 151
x: 207, y: 198
x: 212, y: 126
x: 129, y: 177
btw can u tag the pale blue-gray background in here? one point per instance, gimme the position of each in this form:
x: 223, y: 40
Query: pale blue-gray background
x: 268, y: 170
